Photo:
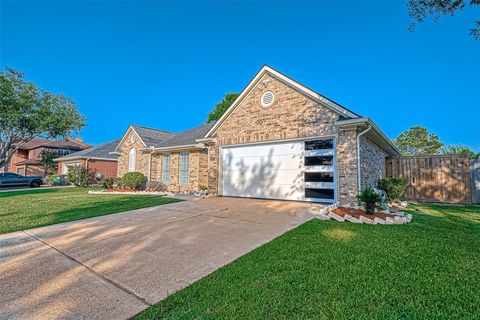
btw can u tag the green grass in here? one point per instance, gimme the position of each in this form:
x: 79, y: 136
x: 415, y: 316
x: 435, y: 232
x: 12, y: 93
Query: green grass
x: 429, y: 269
x: 27, y: 209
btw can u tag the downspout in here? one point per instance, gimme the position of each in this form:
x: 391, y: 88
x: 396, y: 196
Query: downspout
x: 149, y: 165
x: 86, y: 166
x: 359, y: 171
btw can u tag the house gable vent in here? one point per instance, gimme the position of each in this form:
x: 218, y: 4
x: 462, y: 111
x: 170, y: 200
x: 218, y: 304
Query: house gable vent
x: 267, y: 99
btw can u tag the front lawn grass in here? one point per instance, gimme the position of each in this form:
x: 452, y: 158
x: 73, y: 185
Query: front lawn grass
x: 27, y: 209
x: 429, y: 269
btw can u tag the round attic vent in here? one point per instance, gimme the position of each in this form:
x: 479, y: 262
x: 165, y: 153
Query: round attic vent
x: 267, y: 99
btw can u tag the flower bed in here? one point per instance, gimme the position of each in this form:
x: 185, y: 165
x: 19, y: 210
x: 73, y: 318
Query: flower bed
x: 129, y: 191
x: 342, y: 211
x: 356, y: 215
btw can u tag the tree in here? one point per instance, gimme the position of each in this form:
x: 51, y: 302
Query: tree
x: 47, y: 162
x: 27, y: 111
x: 417, y: 141
x: 458, y: 149
x: 80, y: 175
x: 420, y: 9
x: 222, y: 106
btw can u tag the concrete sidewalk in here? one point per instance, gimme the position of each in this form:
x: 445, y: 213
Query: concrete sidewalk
x: 114, y: 266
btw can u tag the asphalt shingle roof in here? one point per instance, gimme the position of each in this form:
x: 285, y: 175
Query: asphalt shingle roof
x: 151, y: 136
x: 164, y: 139
x: 100, y: 151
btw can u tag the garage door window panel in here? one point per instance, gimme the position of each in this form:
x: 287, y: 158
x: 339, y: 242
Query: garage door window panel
x: 319, y: 161
x: 311, y: 193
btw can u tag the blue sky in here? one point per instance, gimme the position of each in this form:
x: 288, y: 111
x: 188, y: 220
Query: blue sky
x: 165, y: 65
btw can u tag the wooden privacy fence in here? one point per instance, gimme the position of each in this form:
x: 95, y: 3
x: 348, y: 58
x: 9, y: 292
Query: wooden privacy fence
x: 446, y: 179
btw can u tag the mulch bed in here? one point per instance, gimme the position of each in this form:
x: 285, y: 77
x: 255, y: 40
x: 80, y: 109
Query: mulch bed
x: 342, y: 211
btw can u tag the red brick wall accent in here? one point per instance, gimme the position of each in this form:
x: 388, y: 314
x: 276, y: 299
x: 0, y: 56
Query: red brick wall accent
x: 105, y: 168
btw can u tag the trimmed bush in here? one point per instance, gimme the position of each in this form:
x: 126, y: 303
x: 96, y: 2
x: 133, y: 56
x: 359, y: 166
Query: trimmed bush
x: 393, y: 187
x: 134, y: 180
x: 156, y: 186
x: 107, y: 183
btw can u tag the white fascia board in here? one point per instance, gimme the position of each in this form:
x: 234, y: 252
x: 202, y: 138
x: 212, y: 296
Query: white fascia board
x: 174, y: 148
x: 296, y: 85
x: 351, y: 123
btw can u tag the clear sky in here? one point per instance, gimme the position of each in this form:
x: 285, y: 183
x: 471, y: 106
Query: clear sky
x: 165, y: 65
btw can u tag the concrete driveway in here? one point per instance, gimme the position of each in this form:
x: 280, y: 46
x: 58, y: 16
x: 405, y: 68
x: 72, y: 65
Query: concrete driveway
x: 112, y: 267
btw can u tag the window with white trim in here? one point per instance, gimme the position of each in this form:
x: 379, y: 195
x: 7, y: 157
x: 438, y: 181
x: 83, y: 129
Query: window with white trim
x: 166, y: 168
x: 132, y: 159
x: 183, y: 168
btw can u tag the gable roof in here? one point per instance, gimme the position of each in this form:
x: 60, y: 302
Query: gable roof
x: 150, y: 136
x: 61, y: 143
x: 103, y: 151
x: 153, y: 138
x: 185, y: 138
x: 320, y: 99
x: 147, y: 136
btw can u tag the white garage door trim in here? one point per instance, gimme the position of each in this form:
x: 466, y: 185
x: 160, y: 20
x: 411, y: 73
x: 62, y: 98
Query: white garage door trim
x: 290, y: 160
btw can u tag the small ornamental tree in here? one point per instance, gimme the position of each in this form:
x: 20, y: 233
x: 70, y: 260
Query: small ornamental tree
x: 80, y: 176
x: 27, y: 111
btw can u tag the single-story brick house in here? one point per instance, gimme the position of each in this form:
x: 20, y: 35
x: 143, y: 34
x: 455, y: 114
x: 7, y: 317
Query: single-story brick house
x: 278, y: 140
x: 99, y: 160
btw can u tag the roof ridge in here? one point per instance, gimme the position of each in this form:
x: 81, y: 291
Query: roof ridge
x: 160, y: 130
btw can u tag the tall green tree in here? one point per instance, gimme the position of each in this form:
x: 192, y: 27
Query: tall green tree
x: 222, y: 106
x: 420, y: 9
x: 458, y: 149
x: 47, y: 161
x: 27, y: 111
x: 417, y: 141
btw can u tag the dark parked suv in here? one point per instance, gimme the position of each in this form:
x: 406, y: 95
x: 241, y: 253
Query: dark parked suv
x: 9, y: 179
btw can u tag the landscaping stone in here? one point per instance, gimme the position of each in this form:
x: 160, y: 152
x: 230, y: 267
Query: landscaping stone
x: 366, y: 220
x: 336, y: 217
x: 323, y: 217
x: 379, y: 221
x: 352, y: 219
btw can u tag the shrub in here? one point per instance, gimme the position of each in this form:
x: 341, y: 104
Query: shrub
x: 156, y: 186
x: 393, y: 187
x: 202, y: 188
x: 370, y: 197
x: 107, y: 182
x: 117, y: 183
x: 134, y: 180
x: 80, y: 176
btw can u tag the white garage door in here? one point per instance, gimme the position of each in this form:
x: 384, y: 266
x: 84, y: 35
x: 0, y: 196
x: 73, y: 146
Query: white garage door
x: 300, y: 170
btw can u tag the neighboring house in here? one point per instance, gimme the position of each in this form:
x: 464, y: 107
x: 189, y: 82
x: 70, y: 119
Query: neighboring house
x: 26, y: 160
x: 97, y: 159
x: 278, y: 140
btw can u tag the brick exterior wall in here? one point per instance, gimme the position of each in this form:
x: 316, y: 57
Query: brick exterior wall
x: 292, y: 115
x: 141, y: 158
x: 347, y: 174
x: 372, y: 162
x: 18, y: 156
x: 198, y: 170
